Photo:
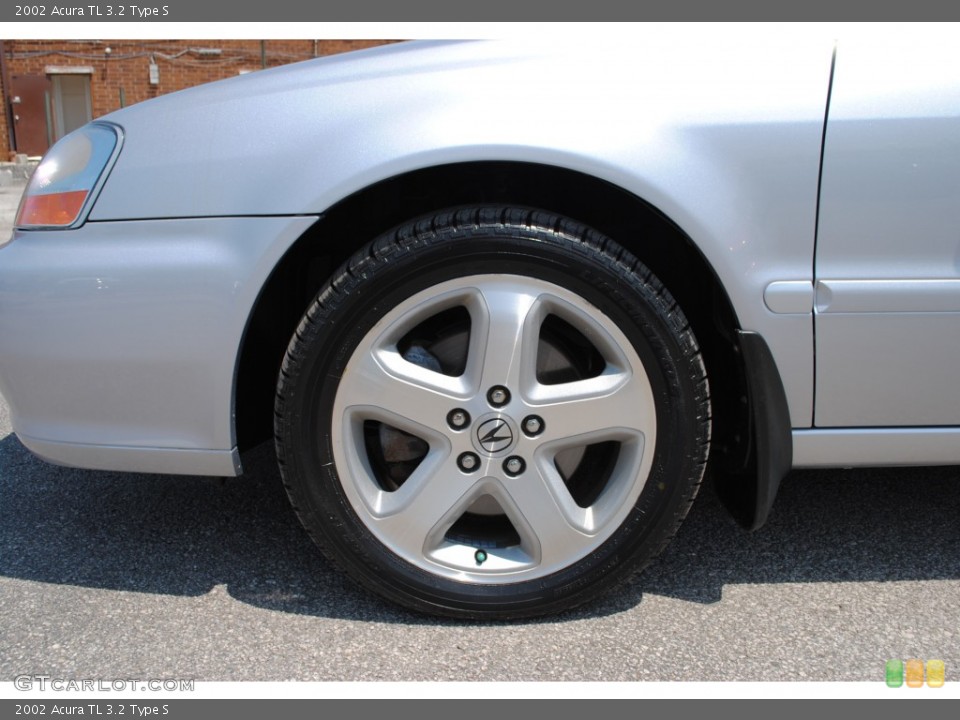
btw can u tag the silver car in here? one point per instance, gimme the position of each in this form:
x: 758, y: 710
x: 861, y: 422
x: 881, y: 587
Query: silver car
x: 501, y: 305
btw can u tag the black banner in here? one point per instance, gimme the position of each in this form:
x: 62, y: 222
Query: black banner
x: 489, y: 11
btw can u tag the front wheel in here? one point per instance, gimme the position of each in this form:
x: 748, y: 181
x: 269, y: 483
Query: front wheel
x: 492, y: 412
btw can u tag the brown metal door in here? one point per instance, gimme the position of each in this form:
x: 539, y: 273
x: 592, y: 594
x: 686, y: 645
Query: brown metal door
x: 32, y: 113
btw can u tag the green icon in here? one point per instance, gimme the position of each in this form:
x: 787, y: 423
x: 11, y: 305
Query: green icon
x: 480, y: 556
x: 894, y: 673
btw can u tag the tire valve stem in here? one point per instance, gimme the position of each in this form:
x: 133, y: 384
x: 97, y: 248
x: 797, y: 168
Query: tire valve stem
x: 480, y: 556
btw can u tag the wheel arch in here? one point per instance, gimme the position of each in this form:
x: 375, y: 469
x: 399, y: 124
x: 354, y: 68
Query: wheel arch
x: 634, y: 223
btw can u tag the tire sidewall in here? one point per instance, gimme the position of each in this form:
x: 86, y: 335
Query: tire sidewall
x: 614, y: 287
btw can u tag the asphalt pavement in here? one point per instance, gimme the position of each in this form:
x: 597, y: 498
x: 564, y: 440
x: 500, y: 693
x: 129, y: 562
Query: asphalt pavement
x: 119, y: 575
x: 110, y: 575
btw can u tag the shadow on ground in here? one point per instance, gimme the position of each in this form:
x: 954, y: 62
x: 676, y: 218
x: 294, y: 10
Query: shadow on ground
x: 185, y: 535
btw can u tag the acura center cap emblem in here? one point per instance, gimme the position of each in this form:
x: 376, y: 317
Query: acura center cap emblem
x: 494, y: 435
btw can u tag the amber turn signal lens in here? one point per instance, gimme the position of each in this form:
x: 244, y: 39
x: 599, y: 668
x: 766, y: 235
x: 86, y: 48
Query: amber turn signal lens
x: 53, y: 209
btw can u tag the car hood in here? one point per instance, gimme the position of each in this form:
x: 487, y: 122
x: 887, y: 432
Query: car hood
x: 297, y: 139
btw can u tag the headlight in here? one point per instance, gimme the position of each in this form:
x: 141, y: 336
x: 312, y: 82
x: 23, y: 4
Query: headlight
x: 66, y: 181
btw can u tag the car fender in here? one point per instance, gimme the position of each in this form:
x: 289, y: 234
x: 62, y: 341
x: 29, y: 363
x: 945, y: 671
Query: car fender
x: 725, y: 142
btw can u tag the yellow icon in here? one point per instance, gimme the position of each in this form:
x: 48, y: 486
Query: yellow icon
x: 936, y: 673
x: 914, y: 673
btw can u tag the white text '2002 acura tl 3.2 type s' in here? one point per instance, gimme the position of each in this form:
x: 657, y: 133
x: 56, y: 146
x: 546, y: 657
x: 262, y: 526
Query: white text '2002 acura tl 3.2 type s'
x: 501, y: 305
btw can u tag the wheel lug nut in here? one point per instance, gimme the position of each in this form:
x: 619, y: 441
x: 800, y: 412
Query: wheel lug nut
x: 533, y: 425
x: 514, y: 465
x: 458, y: 419
x: 498, y: 396
x: 468, y: 462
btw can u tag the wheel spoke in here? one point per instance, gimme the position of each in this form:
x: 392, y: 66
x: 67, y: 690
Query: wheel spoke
x: 431, y: 499
x: 552, y: 526
x: 383, y: 386
x: 615, y: 405
x: 507, y: 321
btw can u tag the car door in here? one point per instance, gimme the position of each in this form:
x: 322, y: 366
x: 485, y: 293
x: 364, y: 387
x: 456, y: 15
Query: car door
x: 887, y: 313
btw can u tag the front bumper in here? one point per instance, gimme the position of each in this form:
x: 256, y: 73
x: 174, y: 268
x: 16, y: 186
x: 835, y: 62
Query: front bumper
x: 119, y: 340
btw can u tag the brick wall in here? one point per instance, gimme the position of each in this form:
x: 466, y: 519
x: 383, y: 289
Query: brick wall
x: 122, y: 76
x: 5, y: 144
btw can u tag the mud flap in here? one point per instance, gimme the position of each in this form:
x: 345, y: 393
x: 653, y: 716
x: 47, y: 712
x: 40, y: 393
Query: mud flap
x: 748, y: 491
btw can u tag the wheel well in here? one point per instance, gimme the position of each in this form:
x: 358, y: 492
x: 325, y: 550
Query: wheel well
x: 633, y: 223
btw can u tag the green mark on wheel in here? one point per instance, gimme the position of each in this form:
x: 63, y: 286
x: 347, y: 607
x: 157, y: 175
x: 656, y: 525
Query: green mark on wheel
x: 480, y: 556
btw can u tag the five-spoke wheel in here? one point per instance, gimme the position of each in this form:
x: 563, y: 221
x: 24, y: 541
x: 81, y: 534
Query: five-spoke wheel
x: 492, y: 413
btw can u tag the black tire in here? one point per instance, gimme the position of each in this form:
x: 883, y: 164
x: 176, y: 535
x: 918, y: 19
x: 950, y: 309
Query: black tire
x: 465, y: 415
